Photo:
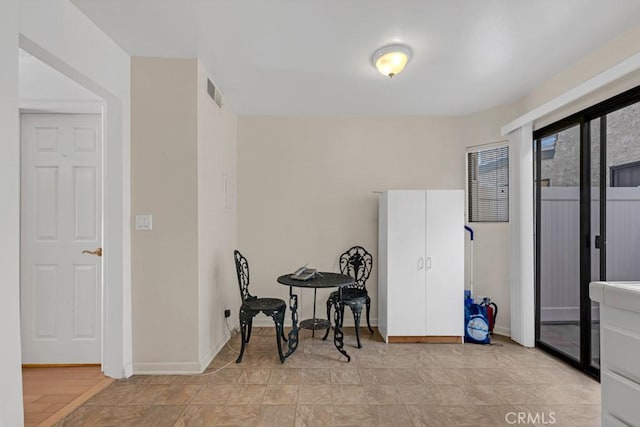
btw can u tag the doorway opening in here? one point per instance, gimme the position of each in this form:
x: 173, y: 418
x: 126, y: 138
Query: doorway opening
x: 61, y: 217
x: 61, y: 138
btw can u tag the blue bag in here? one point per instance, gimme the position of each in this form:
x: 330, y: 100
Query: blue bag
x: 476, y: 323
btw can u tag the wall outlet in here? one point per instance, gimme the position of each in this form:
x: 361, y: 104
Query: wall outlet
x: 227, y: 313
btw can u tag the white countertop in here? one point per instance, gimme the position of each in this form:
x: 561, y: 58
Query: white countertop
x: 623, y: 295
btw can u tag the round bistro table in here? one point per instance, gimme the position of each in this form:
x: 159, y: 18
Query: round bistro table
x: 320, y: 280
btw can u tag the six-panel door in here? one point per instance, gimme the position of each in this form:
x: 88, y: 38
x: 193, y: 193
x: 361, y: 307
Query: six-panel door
x: 61, y: 217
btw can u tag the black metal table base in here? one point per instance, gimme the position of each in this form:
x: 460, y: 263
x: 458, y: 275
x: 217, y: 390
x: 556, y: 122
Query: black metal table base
x: 293, y: 333
x: 315, y: 325
x: 338, y: 336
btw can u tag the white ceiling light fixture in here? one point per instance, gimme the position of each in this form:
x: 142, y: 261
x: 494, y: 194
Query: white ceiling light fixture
x: 390, y: 60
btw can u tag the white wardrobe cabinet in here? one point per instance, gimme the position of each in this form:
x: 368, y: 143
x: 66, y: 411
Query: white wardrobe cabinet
x: 421, y: 266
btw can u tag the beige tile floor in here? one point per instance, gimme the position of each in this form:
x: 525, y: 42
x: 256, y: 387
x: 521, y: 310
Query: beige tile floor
x: 384, y: 384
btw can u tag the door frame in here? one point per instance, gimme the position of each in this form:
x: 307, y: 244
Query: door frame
x: 582, y: 119
x: 116, y: 234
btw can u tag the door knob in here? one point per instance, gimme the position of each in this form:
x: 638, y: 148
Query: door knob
x: 97, y: 252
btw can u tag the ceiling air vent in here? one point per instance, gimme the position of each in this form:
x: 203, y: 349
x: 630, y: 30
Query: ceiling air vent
x: 214, y: 93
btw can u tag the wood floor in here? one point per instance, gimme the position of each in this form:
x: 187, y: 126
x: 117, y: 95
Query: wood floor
x: 50, y: 393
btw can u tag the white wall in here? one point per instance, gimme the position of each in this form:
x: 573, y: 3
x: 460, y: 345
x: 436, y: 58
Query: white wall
x: 10, y: 359
x: 521, y: 250
x: 62, y: 30
x: 217, y: 225
x: 56, y: 32
x: 42, y: 88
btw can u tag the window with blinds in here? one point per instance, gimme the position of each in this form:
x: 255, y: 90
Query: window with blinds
x: 488, y: 185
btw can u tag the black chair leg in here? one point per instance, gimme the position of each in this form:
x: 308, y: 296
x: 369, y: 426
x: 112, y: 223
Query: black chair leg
x: 357, y: 313
x: 284, y: 338
x: 250, y: 326
x: 329, y: 304
x: 278, y: 318
x: 368, y: 302
x: 243, y: 332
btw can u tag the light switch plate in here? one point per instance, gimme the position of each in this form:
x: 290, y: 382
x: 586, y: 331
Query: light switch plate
x: 144, y: 222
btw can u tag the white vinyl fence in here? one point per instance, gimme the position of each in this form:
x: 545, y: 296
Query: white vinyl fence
x: 560, y: 245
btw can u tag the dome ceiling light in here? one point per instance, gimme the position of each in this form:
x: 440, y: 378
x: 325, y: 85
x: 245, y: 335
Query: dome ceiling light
x: 390, y: 60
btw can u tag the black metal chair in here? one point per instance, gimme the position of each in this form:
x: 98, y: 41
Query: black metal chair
x: 252, y: 305
x: 357, y: 263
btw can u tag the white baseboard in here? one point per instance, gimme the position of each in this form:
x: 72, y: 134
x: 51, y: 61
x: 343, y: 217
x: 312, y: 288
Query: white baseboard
x: 213, y: 352
x: 124, y: 372
x: 171, y: 368
x: 128, y: 370
x: 501, y: 330
x: 180, y: 368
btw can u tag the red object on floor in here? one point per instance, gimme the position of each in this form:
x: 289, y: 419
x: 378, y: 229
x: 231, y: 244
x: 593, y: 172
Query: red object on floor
x: 492, y: 312
x: 490, y: 316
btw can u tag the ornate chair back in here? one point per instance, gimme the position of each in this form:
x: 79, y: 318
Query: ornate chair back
x: 357, y: 262
x: 242, y: 269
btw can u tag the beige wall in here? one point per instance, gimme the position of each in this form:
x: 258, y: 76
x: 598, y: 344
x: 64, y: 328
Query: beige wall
x: 492, y: 246
x: 305, y: 188
x: 164, y: 184
x: 217, y: 289
x: 617, y: 50
x: 305, y: 183
x: 492, y: 240
x: 183, y: 145
x: 305, y: 194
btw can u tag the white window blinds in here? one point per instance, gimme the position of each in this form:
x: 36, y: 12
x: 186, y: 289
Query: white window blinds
x: 488, y: 185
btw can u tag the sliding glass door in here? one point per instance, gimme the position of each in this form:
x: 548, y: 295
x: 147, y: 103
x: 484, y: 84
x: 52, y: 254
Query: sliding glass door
x: 587, y: 221
x: 558, y: 234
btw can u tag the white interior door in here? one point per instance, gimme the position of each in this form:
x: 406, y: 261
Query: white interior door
x: 406, y: 274
x: 445, y: 262
x: 61, y: 287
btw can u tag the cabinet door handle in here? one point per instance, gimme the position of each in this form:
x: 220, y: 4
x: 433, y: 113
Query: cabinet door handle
x: 429, y: 263
x: 420, y: 263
